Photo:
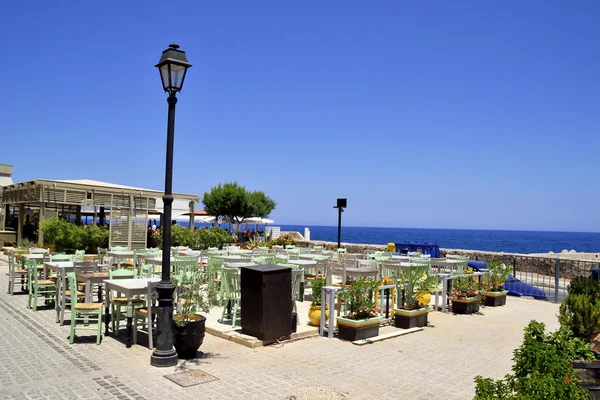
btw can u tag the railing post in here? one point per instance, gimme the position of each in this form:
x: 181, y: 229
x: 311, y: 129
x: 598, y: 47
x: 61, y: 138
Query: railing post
x: 515, y: 267
x: 556, y: 279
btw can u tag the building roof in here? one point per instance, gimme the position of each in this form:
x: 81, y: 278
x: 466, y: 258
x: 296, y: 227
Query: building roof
x: 88, y: 184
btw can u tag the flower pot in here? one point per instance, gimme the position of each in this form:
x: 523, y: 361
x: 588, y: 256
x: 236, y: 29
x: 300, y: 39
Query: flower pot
x: 424, y: 299
x: 407, y: 319
x: 314, y: 315
x: 495, y: 299
x: 469, y: 305
x: 356, y: 329
x: 189, y: 338
x: 589, y: 374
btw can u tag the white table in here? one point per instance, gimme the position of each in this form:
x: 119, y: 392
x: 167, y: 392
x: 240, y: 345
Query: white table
x: 61, y: 268
x: 120, y: 255
x: 239, y: 264
x: 129, y: 288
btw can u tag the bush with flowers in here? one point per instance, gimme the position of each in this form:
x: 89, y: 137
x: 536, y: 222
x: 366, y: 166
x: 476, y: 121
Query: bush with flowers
x: 465, y: 287
x: 359, y: 299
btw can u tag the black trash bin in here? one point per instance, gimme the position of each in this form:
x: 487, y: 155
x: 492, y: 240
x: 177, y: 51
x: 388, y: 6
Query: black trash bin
x: 266, y: 301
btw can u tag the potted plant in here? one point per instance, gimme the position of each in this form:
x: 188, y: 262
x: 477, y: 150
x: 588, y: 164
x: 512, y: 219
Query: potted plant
x: 193, y: 295
x: 413, y: 283
x: 465, y: 295
x: 362, y: 318
x: 314, y: 313
x: 493, y: 289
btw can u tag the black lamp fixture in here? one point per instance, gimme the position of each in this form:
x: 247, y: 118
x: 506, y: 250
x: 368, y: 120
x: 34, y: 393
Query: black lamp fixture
x: 341, y: 204
x: 173, y: 66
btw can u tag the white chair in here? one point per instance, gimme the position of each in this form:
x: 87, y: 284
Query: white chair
x: 146, y: 314
x: 16, y: 274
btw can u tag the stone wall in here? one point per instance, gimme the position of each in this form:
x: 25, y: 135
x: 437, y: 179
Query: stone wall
x: 537, y: 264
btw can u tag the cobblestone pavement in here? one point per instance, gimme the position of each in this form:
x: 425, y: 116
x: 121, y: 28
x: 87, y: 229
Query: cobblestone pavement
x: 440, y: 362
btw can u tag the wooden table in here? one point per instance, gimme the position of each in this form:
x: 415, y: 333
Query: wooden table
x: 129, y: 288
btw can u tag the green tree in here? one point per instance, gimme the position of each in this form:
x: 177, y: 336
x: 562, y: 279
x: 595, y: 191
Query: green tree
x: 235, y: 202
x: 261, y: 205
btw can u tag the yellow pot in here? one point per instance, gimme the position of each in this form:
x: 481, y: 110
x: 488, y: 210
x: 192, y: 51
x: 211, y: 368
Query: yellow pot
x: 314, y: 315
x: 424, y: 298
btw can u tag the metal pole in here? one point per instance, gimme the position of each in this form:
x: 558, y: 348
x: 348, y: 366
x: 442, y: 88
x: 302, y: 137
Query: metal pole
x: 164, y: 354
x: 556, y: 279
x: 340, y: 209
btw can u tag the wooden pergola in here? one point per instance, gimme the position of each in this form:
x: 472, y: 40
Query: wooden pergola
x: 127, y: 207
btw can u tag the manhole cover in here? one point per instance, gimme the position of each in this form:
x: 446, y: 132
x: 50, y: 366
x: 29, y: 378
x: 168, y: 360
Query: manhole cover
x: 191, y: 378
x: 316, y: 393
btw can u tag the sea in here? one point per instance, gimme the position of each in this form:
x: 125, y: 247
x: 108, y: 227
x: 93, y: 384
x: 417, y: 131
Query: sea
x: 468, y: 239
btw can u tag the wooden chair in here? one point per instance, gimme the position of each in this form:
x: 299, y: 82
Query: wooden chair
x: 80, y: 312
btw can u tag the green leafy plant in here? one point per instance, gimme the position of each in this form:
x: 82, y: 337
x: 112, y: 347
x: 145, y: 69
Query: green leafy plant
x: 585, y: 286
x: 359, y: 298
x: 283, y: 240
x: 25, y: 244
x: 541, y: 370
x: 465, y: 287
x: 64, y: 236
x: 317, y: 287
x: 498, y: 274
x: 198, y: 239
x: 194, y: 295
x: 580, y: 311
x: 416, y: 282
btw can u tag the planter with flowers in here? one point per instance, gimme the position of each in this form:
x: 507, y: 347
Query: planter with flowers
x: 413, y: 283
x: 493, y: 288
x: 361, y: 319
x: 465, y: 295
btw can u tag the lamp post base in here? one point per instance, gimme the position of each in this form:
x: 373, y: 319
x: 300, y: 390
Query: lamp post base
x: 164, y: 355
x: 162, y: 358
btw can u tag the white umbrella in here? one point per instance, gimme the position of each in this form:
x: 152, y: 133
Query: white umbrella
x: 257, y: 220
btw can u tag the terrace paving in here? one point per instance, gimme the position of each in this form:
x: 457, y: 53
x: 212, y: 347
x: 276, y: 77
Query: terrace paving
x: 440, y: 362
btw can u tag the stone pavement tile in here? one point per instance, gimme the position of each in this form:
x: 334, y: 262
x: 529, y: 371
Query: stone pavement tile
x: 453, y: 349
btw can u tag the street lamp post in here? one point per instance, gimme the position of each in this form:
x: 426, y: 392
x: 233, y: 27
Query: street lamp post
x: 172, y: 66
x: 341, y: 204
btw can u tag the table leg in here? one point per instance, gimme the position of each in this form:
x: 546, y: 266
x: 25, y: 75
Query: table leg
x: 100, y: 293
x: 63, y: 296
x: 444, y: 295
x: 57, y: 305
x: 331, y: 315
x: 106, y: 314
x: 323, y: 317
x: 129, y: 322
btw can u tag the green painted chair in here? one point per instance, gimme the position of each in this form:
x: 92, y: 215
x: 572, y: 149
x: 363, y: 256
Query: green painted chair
x: 118, y: 303
x: 119, y: 248
x: 230, y: 282
x: 289, y: 247
x: 60, y: 257
x: 81, y: 312
x: 264, y: 259
x: 213, y: 271
x: 39, y: 287
x: 185, y: 264
x: 146, y: 271
x: 79, y: 255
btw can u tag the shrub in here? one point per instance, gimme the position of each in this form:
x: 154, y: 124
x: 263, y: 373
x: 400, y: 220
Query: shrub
x: 283, y: 240
x: 542, y: 369
x: 585, y: 286
x: 581, y: 313
x: 198, y: 239
x: 64, y: 236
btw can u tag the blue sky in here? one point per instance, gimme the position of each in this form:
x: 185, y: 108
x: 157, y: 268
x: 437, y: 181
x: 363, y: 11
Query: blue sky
x: 462, y: 114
